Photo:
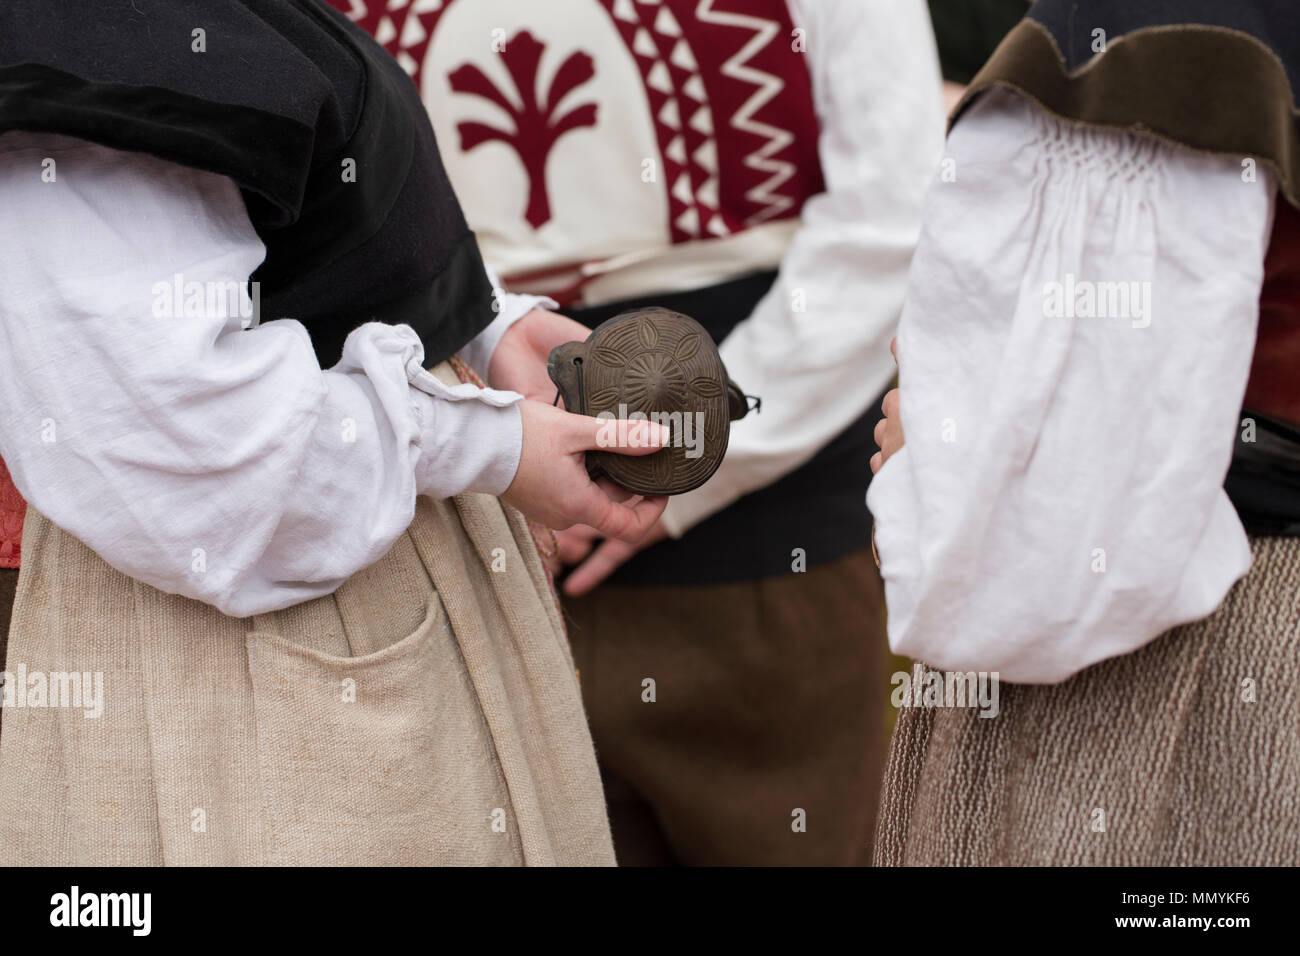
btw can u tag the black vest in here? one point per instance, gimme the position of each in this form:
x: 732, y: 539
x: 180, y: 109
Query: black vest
x: 320, y: 128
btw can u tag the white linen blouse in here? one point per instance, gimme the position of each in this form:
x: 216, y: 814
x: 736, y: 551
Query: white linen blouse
x: 207, y: 460
x: 1073, y: 354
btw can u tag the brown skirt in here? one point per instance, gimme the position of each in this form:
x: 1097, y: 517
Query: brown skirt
x: 1186, y: 752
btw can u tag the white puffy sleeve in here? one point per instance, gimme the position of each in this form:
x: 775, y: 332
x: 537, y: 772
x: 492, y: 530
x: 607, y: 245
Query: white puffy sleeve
x: 207, y: 460
x: 1073, y: 354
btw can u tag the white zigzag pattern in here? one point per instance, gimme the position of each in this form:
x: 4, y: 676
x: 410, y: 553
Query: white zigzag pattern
x: 769, y: 87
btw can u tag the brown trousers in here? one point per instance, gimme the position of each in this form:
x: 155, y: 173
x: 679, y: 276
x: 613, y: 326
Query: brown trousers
x: 761, y: 739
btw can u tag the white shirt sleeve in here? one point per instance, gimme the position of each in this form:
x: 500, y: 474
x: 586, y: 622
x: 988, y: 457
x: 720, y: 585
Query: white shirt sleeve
x: 816, y: 348
x: 207, y: 460
x: 1073, y: 356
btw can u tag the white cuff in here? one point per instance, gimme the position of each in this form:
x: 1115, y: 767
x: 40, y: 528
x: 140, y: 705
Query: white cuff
x: 467, y: 446
x: 470, y: 437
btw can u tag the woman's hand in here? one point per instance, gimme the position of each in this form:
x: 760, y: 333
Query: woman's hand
x: 889, y: 430
x: 552, y: 485
x: 519, y: 361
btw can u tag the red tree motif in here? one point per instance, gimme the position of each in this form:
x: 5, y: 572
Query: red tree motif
x: 537, y: 129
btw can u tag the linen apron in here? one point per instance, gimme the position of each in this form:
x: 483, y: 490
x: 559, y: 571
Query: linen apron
x: 427, y: 712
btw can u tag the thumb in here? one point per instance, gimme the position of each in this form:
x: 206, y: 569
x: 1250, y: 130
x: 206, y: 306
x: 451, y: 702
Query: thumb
x: 624, y: 436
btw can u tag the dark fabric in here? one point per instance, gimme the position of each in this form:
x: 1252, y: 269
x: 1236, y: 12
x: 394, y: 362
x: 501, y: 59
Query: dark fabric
x: 1203, y: 73
x: 285, y: 93
x: 1274, y: 23
x: 1264, y: 479
x: 8, y: 585
x: 819, y: 508
x: 767, y: 701
x: 1274, y: 387
x: 719, y: 308
x: 968, y: 31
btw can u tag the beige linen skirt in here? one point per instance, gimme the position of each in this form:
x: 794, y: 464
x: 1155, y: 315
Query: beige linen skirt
x: 427, y: 712
x: 1185, y: 752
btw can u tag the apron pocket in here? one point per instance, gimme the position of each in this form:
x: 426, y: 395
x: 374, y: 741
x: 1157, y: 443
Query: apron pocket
x: 380, y: 759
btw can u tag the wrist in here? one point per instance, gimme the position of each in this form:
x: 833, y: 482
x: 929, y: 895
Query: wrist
x: 479, y: 351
